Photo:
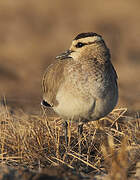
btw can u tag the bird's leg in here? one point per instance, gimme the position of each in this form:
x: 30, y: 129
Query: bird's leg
x: 80, y: 130
x: 66, y: 133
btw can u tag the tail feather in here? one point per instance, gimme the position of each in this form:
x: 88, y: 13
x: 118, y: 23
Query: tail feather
x: 45, y: 103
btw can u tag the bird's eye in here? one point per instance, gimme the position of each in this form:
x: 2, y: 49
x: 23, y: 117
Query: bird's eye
x: 79, y: 45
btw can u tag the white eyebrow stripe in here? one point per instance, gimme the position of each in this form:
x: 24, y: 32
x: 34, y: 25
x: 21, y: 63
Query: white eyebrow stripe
x: 88, y: 40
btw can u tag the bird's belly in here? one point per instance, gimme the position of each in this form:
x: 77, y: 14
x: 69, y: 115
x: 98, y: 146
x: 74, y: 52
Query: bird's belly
x: 73, y: 106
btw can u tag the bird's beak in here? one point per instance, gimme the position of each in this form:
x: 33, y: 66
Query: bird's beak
x: 64, y: 55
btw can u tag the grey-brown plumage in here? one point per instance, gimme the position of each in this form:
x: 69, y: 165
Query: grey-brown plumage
x: 82, y: 83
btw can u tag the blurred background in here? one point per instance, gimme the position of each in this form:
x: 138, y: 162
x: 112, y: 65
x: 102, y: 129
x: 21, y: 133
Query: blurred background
x: 33, y: 33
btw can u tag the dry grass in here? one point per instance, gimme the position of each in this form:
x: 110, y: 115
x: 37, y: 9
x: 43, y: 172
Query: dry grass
x: 110, y: 147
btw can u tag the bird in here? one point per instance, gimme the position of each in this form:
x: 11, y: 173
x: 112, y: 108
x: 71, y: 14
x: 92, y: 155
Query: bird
x: 81, y: 84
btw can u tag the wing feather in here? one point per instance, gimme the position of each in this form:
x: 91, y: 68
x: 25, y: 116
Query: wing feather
x: 52, y: 79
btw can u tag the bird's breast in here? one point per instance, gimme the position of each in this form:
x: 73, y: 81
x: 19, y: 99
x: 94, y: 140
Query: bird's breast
x: 72, y: 105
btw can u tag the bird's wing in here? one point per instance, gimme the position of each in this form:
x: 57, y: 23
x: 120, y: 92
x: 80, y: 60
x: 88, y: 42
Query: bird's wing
x: 114, y: 71
x: 52, y: 79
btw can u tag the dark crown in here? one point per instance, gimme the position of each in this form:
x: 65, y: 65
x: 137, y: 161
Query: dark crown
x: 84, y: 35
